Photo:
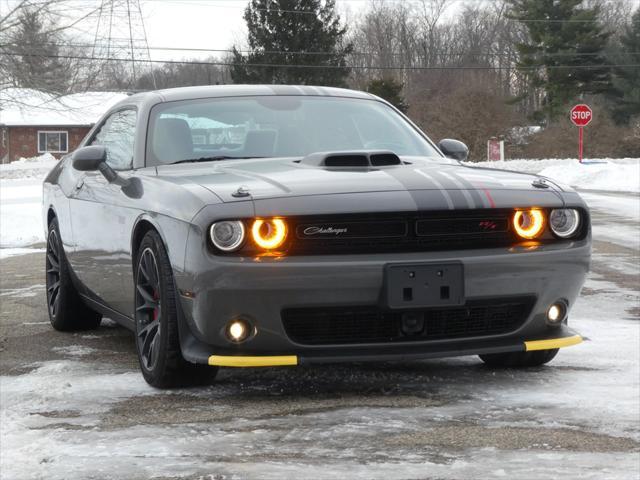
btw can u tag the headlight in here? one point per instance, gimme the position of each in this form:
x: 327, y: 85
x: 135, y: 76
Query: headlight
x: 528, y: 224
x: 564, y: 222
x: 269, y: 233
x: 228, y: 235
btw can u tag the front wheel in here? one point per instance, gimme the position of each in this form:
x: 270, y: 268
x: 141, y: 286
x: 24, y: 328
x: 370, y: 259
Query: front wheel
x: 156, y: 319
x: 519, y: 359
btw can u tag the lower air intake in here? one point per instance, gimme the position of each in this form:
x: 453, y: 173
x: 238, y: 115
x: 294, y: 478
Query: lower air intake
x: 370, y: 324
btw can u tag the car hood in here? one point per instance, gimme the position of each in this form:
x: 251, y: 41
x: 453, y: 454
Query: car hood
x: 277, y: 178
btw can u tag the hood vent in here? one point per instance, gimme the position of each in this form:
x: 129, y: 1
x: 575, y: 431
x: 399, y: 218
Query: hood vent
x: 357, y: 159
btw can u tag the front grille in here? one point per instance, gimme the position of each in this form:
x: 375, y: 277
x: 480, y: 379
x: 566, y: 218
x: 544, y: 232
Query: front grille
x: 401, y: 232
x: 371, y: 324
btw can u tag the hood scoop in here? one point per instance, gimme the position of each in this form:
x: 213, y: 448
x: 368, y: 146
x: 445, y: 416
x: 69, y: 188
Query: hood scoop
x: 355, y: 159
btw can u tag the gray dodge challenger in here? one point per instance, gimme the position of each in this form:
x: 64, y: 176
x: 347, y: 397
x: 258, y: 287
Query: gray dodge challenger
x: 248, y: 226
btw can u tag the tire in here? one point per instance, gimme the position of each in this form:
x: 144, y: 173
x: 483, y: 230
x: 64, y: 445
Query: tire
x: 519, y: 359
x: 156, y: 321
x: 67, y: 311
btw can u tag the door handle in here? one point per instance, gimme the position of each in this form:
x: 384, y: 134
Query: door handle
x: 79, y: 184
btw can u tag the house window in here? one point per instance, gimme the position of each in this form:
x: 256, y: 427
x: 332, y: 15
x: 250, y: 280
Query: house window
x: 53, y: 142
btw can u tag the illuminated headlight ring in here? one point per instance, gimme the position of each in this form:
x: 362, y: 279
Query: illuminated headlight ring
x: 269, y: 234
x: 529, y: 224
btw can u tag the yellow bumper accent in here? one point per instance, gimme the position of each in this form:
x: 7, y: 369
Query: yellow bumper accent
x: 237, y: 361
x: 552, y: 343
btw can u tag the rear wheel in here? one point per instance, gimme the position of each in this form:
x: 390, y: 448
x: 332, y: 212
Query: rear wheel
x: 519, y: 359
x: 67, y: 311
x: 156, y: 319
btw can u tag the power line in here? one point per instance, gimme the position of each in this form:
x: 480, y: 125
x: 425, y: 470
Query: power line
x: 302, y: 53
x: 353, y: 67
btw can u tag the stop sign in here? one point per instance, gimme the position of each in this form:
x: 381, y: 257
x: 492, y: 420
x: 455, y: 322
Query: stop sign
x: 581, y: 115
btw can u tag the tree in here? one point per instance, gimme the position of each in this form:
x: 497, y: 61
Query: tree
x: 304, y: 35
x: 564, y: 55
x: 467, y: 111
x: 183, y: 74
x: 390, y: 90
x: 626, y: 81
x: 31, y: 55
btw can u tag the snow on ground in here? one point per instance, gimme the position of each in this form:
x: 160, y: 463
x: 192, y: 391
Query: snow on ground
x: 21, y: 204
x: 615, y: 217
x: 618, y: 175
x: 53, y: 428
x: 32, y: 168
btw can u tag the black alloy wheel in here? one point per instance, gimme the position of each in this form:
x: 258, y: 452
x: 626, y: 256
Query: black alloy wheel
x: 157, y: 321
x: 148, y: 309
x: 53, y: 273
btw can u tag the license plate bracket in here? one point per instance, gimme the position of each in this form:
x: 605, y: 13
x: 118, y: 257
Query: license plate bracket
x: 423, y: 285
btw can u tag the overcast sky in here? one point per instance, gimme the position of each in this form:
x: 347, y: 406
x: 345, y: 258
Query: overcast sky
x: 182, y: 24
x: 215, y: 24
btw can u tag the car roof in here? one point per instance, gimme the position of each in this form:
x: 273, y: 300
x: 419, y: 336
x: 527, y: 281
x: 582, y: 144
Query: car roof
x: 221, y: 91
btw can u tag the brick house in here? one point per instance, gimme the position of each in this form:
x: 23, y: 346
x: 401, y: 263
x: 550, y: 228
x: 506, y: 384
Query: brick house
x: 33, y: 123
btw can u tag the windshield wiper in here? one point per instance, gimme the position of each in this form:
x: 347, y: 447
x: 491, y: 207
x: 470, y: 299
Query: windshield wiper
x: 212, y: 159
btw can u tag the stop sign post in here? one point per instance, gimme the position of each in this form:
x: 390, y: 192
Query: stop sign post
x: 581, y: 116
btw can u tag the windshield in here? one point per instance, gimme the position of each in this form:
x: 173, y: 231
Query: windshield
x: 277, y: 126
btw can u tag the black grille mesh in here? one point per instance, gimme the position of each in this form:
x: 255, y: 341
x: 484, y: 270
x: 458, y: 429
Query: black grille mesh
x: 402, y: 232
x: 353, y: 325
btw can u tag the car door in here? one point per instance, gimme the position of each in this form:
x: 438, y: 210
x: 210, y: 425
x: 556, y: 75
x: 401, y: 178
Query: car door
x: 103, y: 215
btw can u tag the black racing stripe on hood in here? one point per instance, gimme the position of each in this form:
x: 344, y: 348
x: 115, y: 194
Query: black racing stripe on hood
x: 432, y: 200
x: 479, y: 200
x: 453, y: 185
x: 413, y: 180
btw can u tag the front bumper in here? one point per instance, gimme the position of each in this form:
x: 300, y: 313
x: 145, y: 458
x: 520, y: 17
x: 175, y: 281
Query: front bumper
x: 560, y: 338
x: 215, y: 290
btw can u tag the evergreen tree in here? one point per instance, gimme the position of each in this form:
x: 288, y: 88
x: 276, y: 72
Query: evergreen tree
x: 626, y: 81
x: 390, y: 90
x: 33, y: 55
x: 564, y: 55
x: 279, y: 30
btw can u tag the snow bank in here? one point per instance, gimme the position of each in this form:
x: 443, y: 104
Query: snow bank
x: 33, y: 167
x: 619, y: 175
x: 21, y: 203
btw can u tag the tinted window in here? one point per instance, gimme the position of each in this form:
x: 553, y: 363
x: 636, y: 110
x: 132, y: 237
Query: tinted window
x: 117, y: 134
x: 278, y: 126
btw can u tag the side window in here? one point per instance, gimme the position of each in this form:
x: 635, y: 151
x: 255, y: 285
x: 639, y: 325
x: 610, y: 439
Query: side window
x: 117, y: 134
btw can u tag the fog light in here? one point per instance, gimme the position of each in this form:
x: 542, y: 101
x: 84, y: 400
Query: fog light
x: 556, y: 313
x: 238, y: 330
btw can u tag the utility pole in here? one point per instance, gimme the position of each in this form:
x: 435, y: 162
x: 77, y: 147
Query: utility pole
x: 120, y: 45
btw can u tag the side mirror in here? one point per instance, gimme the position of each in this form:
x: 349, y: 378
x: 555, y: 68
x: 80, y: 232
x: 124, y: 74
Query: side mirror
x: 89, y: 159
x: 454, y: 149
